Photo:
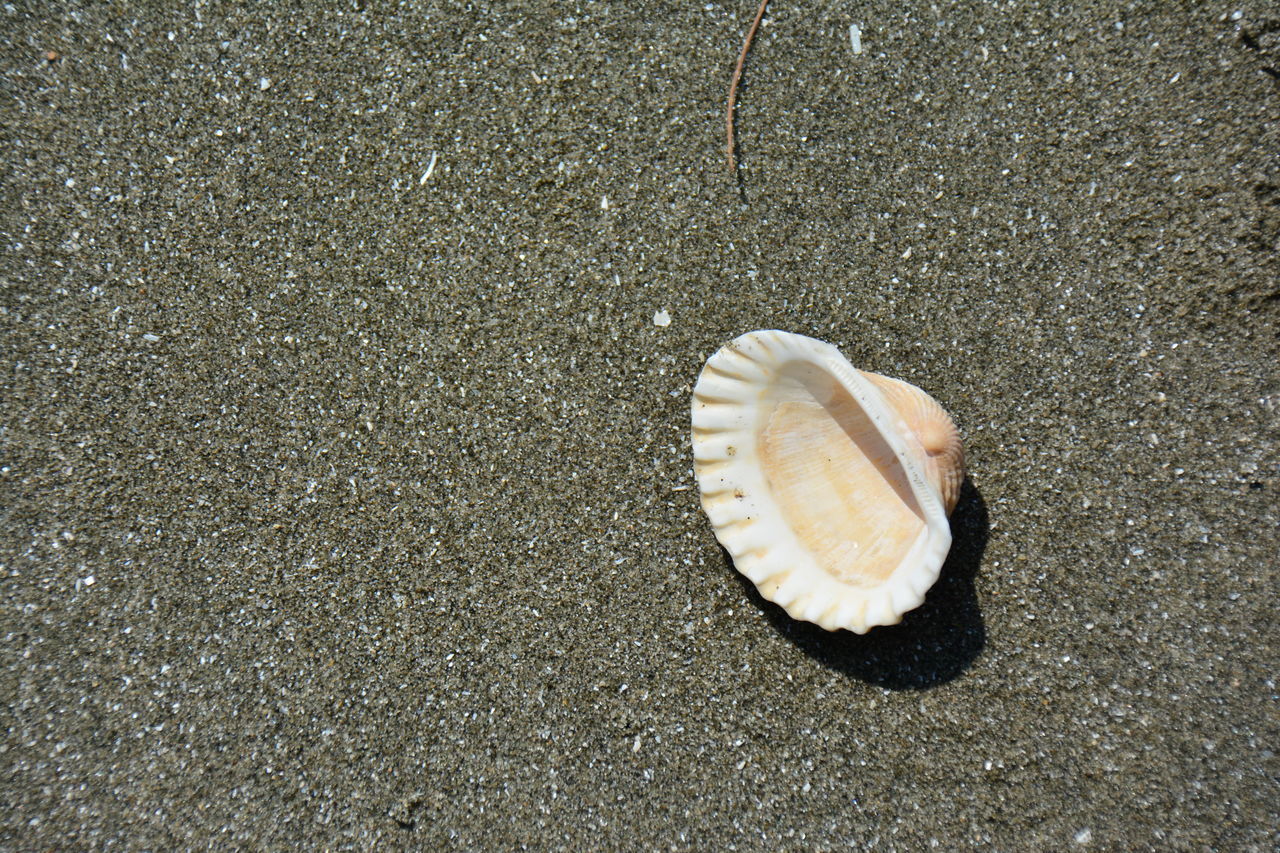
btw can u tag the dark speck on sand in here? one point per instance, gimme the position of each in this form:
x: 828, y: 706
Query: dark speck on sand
x: 345, y: 486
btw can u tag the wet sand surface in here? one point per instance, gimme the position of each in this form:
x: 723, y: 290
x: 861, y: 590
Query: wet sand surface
x: 345, y: 487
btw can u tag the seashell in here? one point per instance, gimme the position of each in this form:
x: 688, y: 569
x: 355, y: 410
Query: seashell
x: 830, y: 486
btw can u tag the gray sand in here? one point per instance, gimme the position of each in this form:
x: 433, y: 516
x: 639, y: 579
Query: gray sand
x: 344, y: 508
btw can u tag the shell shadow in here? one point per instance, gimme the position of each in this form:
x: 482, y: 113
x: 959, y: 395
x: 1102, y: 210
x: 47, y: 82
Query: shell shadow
x: 933, y: 644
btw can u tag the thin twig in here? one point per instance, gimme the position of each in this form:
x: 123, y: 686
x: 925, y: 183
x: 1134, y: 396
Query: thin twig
x: 731, y: 147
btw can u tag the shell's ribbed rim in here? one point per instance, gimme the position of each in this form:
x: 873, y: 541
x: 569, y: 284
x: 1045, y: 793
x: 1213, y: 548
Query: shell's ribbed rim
x: 726, y: 425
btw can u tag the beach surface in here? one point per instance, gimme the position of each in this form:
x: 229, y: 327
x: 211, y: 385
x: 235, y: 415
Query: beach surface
x: 346, y: 496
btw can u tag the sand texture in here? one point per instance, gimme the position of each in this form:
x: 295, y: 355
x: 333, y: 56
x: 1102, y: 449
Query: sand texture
x: 346, y: 499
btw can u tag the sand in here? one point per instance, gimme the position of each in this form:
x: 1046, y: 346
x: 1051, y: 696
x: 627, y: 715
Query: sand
x: 345, y: 488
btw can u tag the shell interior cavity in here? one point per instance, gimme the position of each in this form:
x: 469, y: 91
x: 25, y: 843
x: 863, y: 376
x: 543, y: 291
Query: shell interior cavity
x: 830, y: 486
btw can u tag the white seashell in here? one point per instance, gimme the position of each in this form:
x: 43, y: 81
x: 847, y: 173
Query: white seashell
x: 830, y: 486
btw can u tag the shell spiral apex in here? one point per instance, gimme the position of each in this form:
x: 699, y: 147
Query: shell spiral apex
x: 830, y: 486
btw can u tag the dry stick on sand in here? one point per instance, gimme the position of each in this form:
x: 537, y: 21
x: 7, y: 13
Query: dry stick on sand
x: 730, y: 149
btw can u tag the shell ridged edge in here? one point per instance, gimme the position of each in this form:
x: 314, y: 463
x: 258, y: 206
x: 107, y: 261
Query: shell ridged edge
x: 750, y: 526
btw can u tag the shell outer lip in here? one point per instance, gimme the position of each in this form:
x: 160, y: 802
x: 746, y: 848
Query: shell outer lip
x: 750, y: 525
